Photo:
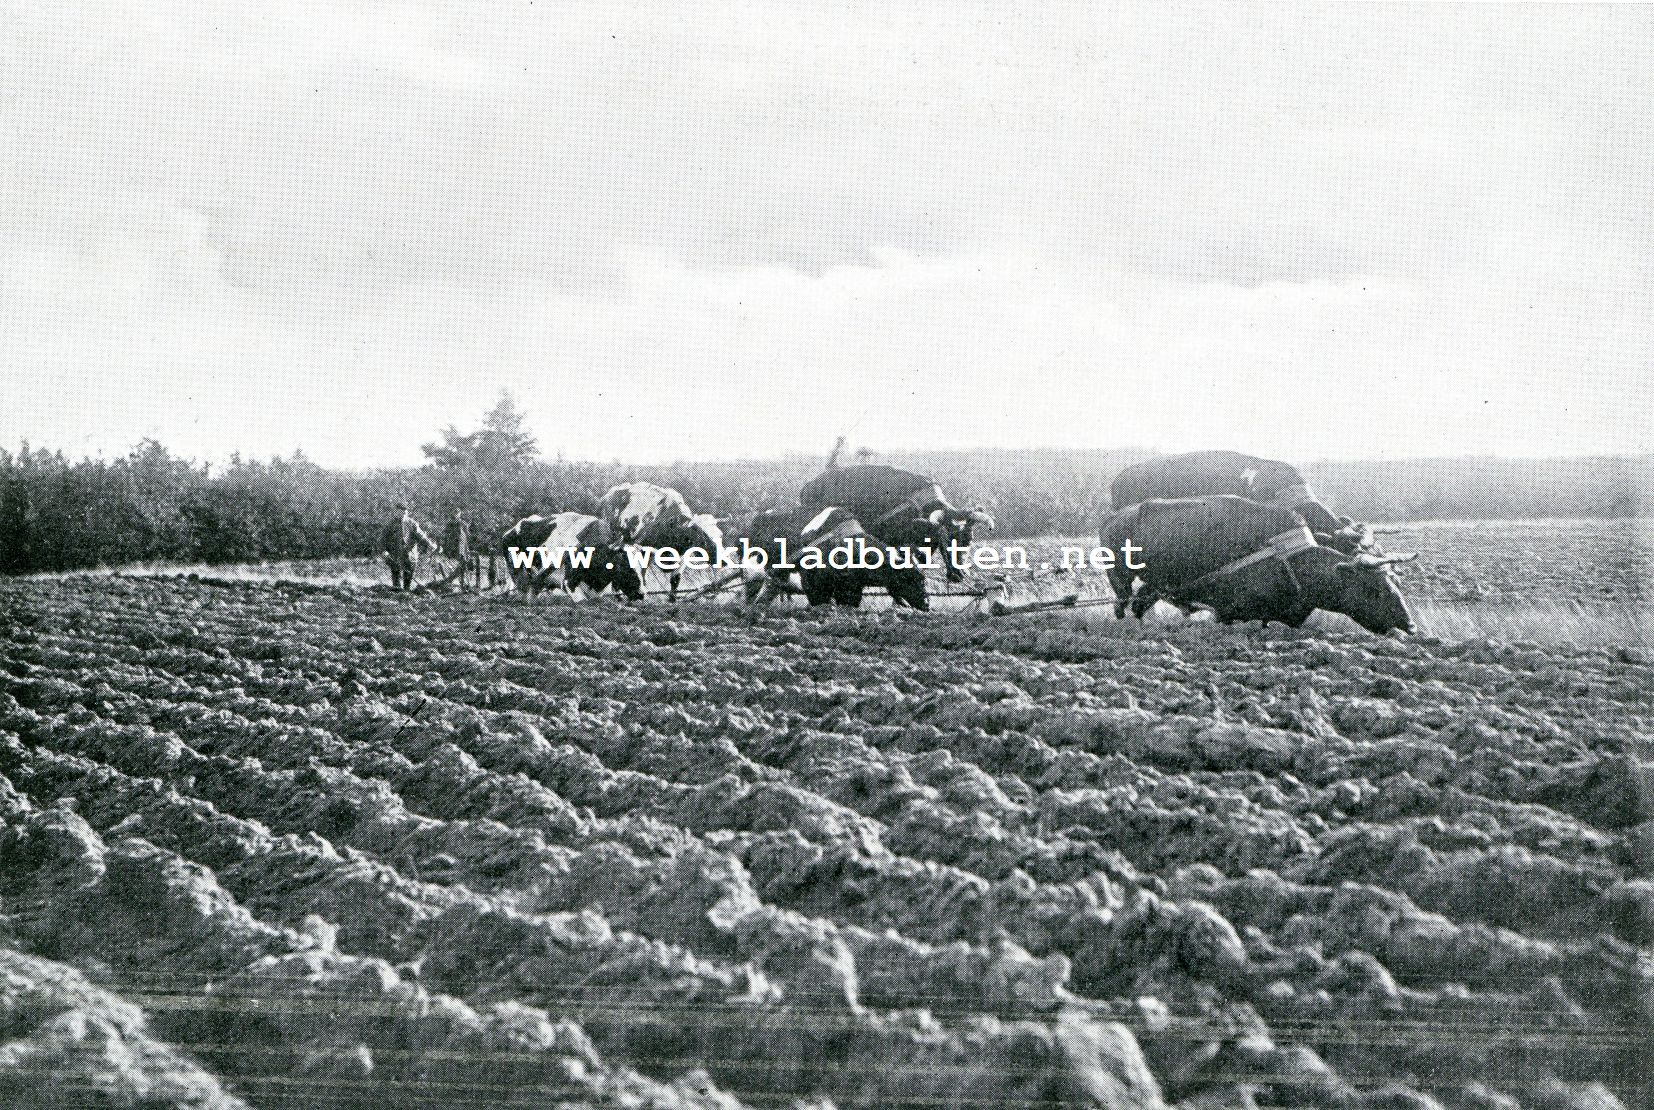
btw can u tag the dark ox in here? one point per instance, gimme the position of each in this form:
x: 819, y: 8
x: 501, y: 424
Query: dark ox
x: 823, y: 529
x: 899, y: 508
x: 1247, y: 561
x: 570, y: 533
x: 1267, y: 481
x: 654, y: 516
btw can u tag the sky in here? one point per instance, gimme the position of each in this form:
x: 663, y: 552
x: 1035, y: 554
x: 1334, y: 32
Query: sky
x: 725, y: 230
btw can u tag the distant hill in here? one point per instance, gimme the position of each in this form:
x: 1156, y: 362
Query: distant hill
x: 1487, y: 488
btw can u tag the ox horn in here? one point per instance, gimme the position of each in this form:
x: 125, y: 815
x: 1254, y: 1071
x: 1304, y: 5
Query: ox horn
x: 1375, y: 561
x: 980, y: 516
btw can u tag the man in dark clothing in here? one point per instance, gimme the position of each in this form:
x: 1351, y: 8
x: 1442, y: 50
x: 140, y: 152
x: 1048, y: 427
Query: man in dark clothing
x: 456, y: 545
x: 401, y: 541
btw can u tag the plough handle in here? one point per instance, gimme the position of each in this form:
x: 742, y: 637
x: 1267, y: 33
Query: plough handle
x: 1000, y: 609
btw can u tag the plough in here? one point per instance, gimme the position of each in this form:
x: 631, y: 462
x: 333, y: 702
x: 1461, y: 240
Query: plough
x: 997, y: 608
x: 1000, y: 607
x: 1067, y: 601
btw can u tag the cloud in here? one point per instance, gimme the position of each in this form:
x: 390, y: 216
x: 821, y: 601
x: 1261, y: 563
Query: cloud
x: 733, y: 230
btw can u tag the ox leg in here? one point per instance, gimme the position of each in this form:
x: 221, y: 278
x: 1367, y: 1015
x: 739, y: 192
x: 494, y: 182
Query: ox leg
x: 817, y: 592
x: 775, y: 585
x: 1121, y: 582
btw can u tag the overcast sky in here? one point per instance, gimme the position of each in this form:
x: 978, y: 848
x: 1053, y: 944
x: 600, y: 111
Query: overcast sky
x: 689, y: 231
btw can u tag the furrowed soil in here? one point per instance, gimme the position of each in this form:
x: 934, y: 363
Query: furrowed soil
x: 281, y: 844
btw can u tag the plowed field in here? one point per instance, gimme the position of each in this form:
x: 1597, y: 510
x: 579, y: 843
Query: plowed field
x: 277, y: 844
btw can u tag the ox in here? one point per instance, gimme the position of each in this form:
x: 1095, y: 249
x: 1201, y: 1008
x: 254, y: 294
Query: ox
x: 792, y: 533
x: 899, y: 508
x: 583, y: 545
x: 654, y: 516
x: 1247, y: 561
x: 1267, y: 481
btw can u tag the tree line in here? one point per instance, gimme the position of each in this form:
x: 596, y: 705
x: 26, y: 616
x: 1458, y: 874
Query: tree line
x: 153, y: 506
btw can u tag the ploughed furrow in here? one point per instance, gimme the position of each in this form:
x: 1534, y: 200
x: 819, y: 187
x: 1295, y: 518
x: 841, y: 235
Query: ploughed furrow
x: 1085, y: 927
x: 81, y: 1045
x: 341, y: 847
x: 286, y: 1015
x: 596, y: 878
x: 123, y: 901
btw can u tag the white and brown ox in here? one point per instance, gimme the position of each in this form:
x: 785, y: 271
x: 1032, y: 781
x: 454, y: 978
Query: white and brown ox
x: 647, y: 515
x: 567, y: 551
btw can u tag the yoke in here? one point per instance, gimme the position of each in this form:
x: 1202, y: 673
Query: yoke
x: 1282, y: 546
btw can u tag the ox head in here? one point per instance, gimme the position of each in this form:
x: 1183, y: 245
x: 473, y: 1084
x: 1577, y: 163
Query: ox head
x: 956, y: 526
x: 706, y: 533
x: 611, y: 567
x: 1367, y: 593
x: 1351, y: 538
x: 907, y: 587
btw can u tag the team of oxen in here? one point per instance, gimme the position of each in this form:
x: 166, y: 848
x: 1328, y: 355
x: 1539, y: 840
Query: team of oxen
x: 1240, y: 536
x: 897, y: 524
x: 1246, y: 538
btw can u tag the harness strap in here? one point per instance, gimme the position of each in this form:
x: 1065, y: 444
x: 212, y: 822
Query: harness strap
x: 817, y: 521
x: 1281, y: 546
x: 843, y: 530
x: 916, y: 500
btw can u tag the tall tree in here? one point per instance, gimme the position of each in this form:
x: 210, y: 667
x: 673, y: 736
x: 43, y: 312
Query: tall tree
x: 502, y: 443
x: 503, y: 440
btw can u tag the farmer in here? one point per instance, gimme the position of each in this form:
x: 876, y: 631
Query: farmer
x: 401, y: 542
x: 456, y: 545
